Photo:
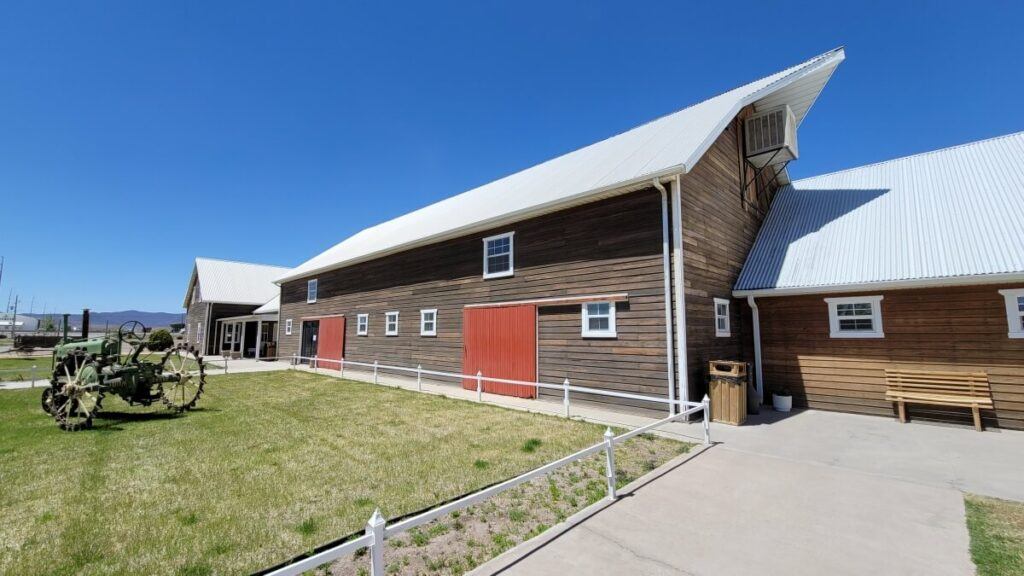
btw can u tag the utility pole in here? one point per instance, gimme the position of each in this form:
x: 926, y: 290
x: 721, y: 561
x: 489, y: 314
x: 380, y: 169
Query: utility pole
x: 14, y: 317
x: 1, y: 270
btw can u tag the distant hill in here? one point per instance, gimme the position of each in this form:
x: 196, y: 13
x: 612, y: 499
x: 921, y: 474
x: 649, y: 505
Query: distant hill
x: 98, y: 320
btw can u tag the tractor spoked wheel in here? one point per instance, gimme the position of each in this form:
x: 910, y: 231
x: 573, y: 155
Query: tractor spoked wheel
x: 189, y: 376
x: 47, y: 400
x: 76, y: 394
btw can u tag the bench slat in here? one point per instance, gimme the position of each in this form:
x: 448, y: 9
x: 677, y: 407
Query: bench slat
x: 941, y: 388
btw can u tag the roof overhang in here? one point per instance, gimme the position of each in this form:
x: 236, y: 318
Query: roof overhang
x: 952, y: 281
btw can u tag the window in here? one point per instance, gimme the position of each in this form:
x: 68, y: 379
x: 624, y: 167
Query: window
x: 721, y: 317
x: 288, y: 327
x: 391, y: 324
x: 362, y: 324
x: 428, y: 322
x: 599, y: 320
x: 1014, y: 311
x: 856, y: 317
x: 311, y: 291
x: 498, y: 256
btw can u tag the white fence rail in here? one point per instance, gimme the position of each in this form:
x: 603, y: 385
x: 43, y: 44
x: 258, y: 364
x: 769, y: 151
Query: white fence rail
x: 31, y: 370
x: 378, y: 530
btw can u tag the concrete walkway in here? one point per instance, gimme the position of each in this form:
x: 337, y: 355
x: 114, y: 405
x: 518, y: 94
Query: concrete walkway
x: 727, y: 512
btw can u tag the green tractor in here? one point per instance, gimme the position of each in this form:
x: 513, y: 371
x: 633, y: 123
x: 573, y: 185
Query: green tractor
x: 86, y: 369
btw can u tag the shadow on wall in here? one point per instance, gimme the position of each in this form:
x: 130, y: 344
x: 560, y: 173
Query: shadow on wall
x: 795, y: 215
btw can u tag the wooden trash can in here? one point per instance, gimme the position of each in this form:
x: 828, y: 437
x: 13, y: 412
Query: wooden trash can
x: 727, y: 385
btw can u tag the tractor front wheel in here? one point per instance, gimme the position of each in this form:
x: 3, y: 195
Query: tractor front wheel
x: 184, y: 366
x: 78, y: 395
x: 47, y: 400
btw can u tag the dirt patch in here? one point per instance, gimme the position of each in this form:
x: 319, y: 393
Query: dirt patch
x: 465, y: 539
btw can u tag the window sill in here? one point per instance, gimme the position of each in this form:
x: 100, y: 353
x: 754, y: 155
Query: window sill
x: 499, y: 275
x: 844, y: 335
x: 723, y: 335
x: 1016, y: 334
x: 600, y: 335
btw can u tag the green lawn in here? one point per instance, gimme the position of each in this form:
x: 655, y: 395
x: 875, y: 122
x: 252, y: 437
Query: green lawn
x: 23, y: 368
x: 268, y: 466
x: 997, y: 535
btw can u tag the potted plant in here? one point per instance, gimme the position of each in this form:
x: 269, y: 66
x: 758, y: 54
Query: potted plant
x: 782, y: 400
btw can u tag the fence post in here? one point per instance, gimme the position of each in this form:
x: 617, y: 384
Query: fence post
x: 294, y: 359
x: 342, y: 366
x: 707, y: 419
x: 315, y: 365
x: 609, y: 449
x: 225, y: 365
x: 33, y: 375
x: 419, y: 377
x: 375, y: 528
x: 479, y: 386
x: 565, y: 396
x: 374, y: 371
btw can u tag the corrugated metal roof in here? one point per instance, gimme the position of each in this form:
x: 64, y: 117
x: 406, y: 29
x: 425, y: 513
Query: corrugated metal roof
x: 955, y: 213
x: 669, y: 145
x: 274, y: 305
x: 225, y: 281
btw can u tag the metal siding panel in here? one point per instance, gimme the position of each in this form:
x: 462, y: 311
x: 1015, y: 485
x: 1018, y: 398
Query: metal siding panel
x: 501, y: 342
x: 332, y: 340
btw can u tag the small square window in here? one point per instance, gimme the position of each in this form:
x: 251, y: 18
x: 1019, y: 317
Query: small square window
x: 362, y: 324
x: 391, y: 323
x: 498, y: 252
x: 428, y: 322
x: 856, y: 317
x: 1014, y: 311
x: 311, y: 291
x: 599, y: 320
x: 288, y: 327
x: 722, y: 318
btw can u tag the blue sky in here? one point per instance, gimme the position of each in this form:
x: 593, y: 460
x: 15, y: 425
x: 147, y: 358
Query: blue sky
x: 135, y: 136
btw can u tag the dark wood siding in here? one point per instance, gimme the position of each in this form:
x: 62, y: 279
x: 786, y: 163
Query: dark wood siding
x: 218, y: 311
x: 962, y: 328
x: 719, y: 227
x: 196, y: 313
x: 613, y: 245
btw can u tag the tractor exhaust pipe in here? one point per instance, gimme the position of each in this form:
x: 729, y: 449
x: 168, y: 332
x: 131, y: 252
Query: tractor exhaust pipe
x: 66, y: 327
x: 85, y: 323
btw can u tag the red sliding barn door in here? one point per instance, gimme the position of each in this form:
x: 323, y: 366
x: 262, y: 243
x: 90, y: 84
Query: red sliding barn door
x: 501, y: 342
x: 331, y: 339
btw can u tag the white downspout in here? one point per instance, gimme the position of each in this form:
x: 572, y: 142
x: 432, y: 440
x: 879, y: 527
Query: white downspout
x: 665, y: 261
x: 759, y: 379
x: 680, y: 289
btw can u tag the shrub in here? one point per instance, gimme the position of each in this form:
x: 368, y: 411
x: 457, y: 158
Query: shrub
x: 160, y: 340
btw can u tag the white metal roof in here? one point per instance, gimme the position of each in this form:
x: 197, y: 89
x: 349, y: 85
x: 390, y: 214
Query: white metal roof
x: 669, y: 145
x: 274, y: 305
x: 228, y: 282
x: 943, y: 217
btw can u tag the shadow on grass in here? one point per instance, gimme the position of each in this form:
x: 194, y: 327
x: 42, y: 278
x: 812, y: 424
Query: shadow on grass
x: 110, y: 421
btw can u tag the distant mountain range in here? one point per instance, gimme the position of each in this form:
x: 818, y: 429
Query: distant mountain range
x: 97, y: 320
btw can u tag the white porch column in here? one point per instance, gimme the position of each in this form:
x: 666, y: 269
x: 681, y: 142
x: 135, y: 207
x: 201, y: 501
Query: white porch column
x: 259, y: 337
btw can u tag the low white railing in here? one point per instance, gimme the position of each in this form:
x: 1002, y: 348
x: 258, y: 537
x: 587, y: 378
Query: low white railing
x: 31, y: 370
x: 378, y: 530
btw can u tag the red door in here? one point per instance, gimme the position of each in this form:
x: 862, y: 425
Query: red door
x: 331, y: 345
x: 501, y: 342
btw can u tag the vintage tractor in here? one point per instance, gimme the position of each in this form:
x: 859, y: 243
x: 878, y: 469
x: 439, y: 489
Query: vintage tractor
x: 86, y: 369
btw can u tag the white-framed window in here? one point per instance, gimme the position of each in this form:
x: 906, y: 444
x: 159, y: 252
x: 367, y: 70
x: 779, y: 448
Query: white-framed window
x: 428, y: 322
x: 498, y: 251
x: 311, y: 291
x: 1014, y: 311
x: 855, y: 317
x: 722, y: 328
x: 288, y: 327
x: 362, y: 324
x: 598, y: 320
x: 391, y: 323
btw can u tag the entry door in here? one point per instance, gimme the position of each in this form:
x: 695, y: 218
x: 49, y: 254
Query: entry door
x: 331, y: 343
x: 310, y: 333
x: 501, y: 342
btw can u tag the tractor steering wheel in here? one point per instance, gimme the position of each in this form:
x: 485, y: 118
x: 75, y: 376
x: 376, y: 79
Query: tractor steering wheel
x: 132, y: 331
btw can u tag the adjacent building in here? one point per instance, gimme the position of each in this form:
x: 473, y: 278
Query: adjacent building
x: 232, y: 308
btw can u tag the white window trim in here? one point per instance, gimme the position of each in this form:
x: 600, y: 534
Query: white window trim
x: 311, y: 288
x: 876, y: 317
x: 362, y: 324
x: 511, y: 256
x: 387, y: 324
x: 1013, y: 314
x: 585, y: 330
x: 728, y: 321
x: 423, y: 329
x: 288, y: 327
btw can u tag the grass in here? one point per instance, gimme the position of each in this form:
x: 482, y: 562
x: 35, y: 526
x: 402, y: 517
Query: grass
x: 270, y: 465
x: 997, y: 535
x: 23, y: 368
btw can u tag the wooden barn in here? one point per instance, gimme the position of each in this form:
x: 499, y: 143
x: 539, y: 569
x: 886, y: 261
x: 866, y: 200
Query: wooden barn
x: 612, y: 266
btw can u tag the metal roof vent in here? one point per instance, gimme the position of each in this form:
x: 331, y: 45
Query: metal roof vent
x: 771, y: 137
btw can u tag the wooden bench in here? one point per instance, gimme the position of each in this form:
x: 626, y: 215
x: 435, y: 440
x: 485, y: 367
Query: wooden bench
x: 964, y: 389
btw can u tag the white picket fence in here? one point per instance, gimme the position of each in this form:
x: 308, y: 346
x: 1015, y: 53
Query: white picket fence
x: 378, y: 530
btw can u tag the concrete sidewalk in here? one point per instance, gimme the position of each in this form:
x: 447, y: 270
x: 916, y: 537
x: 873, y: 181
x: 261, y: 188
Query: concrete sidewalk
x: 726, y: 512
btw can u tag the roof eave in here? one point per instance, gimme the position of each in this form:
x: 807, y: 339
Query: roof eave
x: 941, y: 282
